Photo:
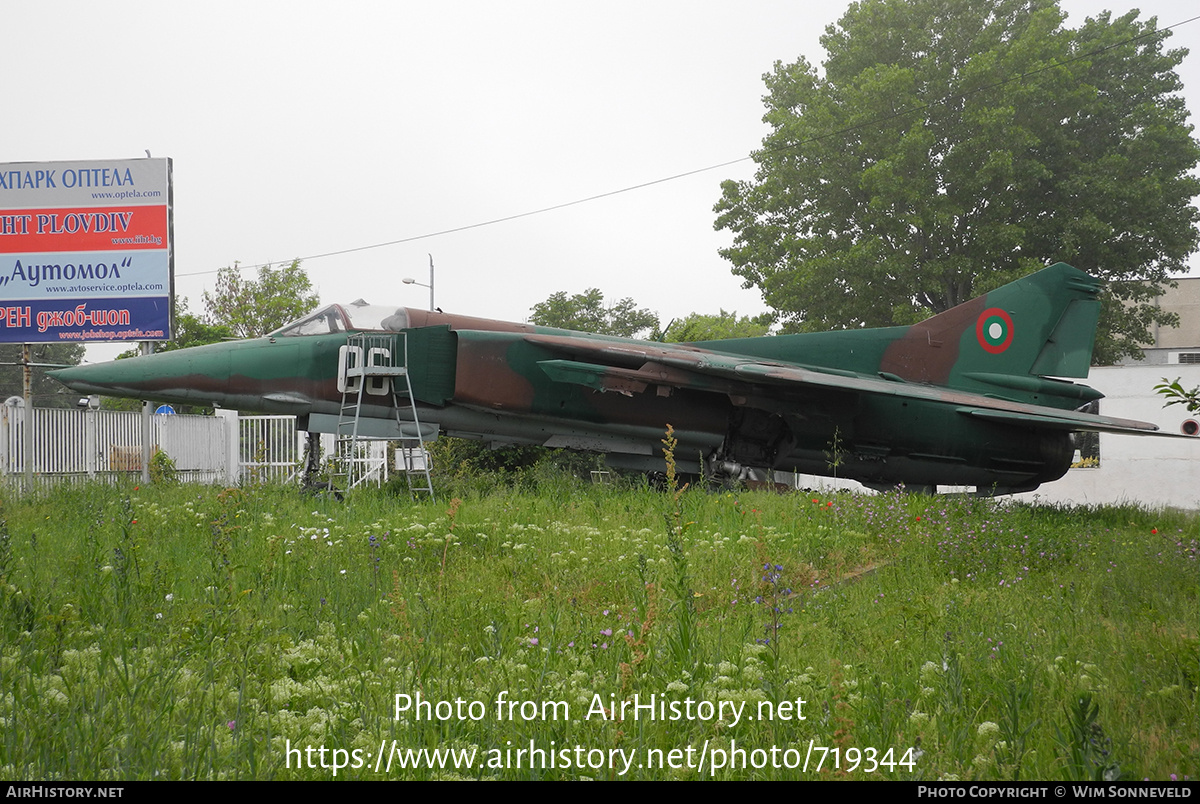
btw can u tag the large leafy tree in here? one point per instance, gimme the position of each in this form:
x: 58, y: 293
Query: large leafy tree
x: 250, y: 308
x: 950, y: 146
x: 587, y: 312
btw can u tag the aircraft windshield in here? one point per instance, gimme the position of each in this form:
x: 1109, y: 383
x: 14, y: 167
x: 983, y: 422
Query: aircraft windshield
x: 340, y: 318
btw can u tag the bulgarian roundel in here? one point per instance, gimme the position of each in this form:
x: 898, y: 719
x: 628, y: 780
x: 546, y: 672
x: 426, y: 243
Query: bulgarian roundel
x: 994, y: 330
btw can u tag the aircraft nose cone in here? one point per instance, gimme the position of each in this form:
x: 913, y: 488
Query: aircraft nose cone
x: 99, y: 378
x: 184, y: 375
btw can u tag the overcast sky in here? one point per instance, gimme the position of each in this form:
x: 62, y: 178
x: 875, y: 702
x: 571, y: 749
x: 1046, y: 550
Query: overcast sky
x: 303, y: 128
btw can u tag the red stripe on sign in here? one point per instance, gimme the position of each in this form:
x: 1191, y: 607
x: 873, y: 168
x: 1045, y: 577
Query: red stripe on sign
x: 42, y: 231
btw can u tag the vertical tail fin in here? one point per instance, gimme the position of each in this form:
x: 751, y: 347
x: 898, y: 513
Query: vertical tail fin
x: 1041, y: 325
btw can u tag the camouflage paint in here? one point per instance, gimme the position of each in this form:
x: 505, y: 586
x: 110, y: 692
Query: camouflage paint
x: 958, y: 399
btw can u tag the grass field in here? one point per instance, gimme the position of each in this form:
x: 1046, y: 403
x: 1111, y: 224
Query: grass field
x: 188, y: 632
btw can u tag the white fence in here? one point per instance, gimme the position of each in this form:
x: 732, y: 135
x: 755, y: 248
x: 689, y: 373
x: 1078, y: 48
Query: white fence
x: 225, y: 448
x: 269, y: 448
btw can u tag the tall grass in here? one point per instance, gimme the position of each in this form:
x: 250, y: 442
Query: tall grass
x: 186, y: 632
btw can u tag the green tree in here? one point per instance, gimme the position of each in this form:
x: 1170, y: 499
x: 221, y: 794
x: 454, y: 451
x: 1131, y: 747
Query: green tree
x: 192, y: 330
x: 587, y: 312
x: 723, y: 325
x: 951, y: 146
x: 250, y: 308
x: 47, y: 393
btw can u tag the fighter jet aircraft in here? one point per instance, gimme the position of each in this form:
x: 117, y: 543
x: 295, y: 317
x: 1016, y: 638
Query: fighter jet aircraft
x: 969, y: 397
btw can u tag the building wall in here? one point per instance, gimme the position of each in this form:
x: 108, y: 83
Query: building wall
x: 1169, y: 342
x: 1184, y: 301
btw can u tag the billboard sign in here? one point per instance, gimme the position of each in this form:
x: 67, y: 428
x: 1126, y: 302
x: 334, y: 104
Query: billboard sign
x: 86, y: 251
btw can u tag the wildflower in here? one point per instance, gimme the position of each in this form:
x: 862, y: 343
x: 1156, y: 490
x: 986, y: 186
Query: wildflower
x: 987, y: 729
x: 158, y: 616
x: 170, y: 597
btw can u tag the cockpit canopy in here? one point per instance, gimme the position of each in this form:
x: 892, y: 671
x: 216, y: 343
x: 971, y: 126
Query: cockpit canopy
x: 357, y: 315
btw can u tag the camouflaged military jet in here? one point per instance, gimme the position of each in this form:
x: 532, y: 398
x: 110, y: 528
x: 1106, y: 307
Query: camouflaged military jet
x: 966, y: 398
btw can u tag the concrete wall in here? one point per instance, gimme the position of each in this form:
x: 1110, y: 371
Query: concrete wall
x: 1136, y: 469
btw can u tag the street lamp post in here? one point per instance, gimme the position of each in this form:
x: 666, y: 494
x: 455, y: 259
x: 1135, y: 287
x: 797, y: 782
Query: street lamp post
x: 411, y: 281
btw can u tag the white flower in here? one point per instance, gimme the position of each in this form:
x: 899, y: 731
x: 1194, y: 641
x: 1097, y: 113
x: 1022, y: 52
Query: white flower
x: 170, y: 597
x: 158, y: 616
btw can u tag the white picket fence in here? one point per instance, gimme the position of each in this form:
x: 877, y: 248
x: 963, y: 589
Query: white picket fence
x: 105, y: 444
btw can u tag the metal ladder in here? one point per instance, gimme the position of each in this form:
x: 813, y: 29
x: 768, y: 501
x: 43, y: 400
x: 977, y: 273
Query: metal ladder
x: 371, y: 368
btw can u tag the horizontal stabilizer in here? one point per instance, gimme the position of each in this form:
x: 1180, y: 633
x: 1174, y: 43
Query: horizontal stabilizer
x: 1068, y: 420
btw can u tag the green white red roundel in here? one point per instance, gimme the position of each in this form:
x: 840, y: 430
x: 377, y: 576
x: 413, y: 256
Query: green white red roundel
x: 994, y: 330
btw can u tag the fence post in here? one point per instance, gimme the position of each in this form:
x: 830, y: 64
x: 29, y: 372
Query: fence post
x: 91, y: 441
x: 5, y: 438
x: 233, y: 468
